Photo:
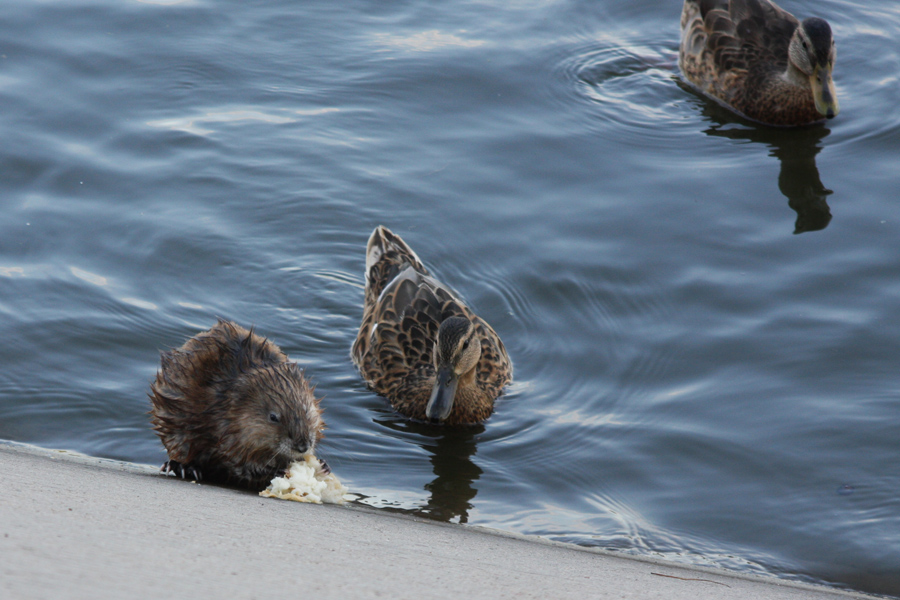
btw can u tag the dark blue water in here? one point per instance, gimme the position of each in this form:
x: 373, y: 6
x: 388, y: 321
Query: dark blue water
x: 703, y: 314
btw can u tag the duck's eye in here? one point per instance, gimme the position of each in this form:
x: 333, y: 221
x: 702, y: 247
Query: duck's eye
x: 465, y: 345
x: 273, y: 418
x: 805, y: 47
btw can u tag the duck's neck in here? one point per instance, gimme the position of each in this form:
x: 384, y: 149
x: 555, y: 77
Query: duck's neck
x: 467, y: 380
x: 795, y: 76
x: 471, y: 404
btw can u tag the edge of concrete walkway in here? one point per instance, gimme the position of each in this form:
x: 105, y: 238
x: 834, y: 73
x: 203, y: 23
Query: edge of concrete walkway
x: 138, y: 533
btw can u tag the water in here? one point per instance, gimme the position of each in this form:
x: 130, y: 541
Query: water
x: 703, y: 314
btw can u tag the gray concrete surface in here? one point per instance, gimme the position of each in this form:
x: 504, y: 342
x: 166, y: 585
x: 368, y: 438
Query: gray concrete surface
x: 80, y: 527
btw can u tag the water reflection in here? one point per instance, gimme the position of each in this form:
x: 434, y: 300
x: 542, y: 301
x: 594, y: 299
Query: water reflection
x: 451, y: 448
x: 796, y: 148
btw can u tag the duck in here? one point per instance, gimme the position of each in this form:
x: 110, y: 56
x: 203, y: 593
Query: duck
x: 759, y: 60
x: 420, y: 346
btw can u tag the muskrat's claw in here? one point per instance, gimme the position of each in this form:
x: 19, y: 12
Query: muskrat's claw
x: 180, y: 470
x: 324, y: 467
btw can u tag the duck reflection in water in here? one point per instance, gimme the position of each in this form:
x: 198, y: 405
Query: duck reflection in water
x: 796, y: 149
x: 451, y: 449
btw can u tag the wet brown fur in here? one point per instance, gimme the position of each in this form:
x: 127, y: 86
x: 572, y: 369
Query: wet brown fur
x: 211, y: 404
x: 395, y: 345
x: 737, y: 51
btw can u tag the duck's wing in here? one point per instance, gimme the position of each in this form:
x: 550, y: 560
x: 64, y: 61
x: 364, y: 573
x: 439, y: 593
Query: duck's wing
x: 386, y: 256
x: 409, y: 315
x: 707, y: 32
x: 739, y: 34
x: 755, y: 34
x: 495, y: 369
x: 405, y: 322
x: 765, y: 28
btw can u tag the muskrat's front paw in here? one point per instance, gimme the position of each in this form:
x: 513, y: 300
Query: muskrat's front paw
x: 180, y: 470
x: 168, y: 467
x: 323, y: 466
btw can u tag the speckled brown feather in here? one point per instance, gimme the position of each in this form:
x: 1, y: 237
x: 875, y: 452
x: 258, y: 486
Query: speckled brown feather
x: 403, y: 309
x: 736, y: 51
x: 210, y: 402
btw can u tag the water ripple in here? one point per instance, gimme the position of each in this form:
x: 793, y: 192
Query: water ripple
x: 628, y: 79
x: 686, y: 368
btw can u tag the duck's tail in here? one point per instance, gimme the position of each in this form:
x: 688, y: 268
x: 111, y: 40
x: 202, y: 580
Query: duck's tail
x: 387, y: 255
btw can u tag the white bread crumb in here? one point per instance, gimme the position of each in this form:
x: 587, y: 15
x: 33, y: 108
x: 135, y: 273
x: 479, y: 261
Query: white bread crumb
x: 307, y: 482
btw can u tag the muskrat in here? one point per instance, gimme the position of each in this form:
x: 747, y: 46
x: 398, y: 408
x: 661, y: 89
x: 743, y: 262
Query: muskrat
x: 229, y: 406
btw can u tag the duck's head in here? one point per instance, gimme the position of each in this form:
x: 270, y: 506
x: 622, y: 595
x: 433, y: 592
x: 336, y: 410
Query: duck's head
x: 456, y: 352
x: 812, y: 53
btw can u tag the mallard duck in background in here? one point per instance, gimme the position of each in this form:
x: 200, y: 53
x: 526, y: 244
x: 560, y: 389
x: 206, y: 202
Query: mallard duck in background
x: 420, y: 346
x: 759, y: 60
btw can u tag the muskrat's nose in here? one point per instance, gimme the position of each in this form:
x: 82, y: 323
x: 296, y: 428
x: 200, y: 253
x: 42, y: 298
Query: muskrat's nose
x: 302, y: 447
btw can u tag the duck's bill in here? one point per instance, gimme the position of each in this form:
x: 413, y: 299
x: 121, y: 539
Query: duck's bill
x: 441, y: 402
x: 823, y: 92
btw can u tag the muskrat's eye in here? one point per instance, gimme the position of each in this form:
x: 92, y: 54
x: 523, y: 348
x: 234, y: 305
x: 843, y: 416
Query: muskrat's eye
x: 465, y: 345
x: 274, y: 418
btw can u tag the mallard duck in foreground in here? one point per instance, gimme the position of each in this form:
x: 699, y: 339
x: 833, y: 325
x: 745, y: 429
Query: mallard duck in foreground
x: 420, y: 346
x: 758, y: 59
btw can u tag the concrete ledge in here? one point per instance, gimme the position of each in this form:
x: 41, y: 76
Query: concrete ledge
x: 73, y: 526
